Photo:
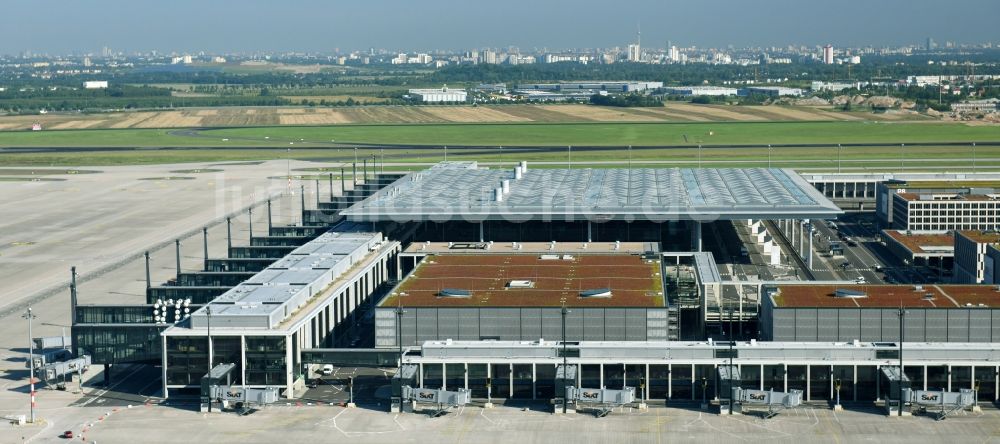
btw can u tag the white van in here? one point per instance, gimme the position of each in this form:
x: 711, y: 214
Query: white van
x: 327, y: 370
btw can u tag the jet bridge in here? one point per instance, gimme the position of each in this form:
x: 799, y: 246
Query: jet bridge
x: 52, y: 372
x: 739, y: 398
x: 941, y: 404
x: 603, y: 401
x: 774, y: 401
x: 443, y: 400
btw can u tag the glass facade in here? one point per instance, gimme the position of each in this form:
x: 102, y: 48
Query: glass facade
x: 680, y: 375
x: 659, y: 375
x: 867, y: 383
x: 118, y: 344
x: 455, y: 376
x: 937, y: 377
x: 187, y: 360
x: 545, y: 380
x: 522, y: 378
x: 844, y: 375
x: 265, y: 360
x: 774, y: 377
x: 477, y: 380
x: 97, y: 314
x: 226, y: 350
x: 797, y: 378
x: 501, y: 380
x: 433, y: 376
x: 590, y: 376
x: 614, y: 376
x: 819, y: 382
x: 986, y: 383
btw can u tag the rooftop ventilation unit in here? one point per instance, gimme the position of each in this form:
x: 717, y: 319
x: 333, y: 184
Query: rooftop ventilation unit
x: 918, y: 288
x: 850, y: 294
x: 596, y: 293
x: 454, y: 293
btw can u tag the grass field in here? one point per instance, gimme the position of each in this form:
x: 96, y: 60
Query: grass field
x: 605, y: 134
x: 523, y: 134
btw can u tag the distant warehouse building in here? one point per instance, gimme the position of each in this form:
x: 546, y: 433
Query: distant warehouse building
x: 870, y: 313
x: 772, y: 91
x: 439, y: 95
x: 977, y: 106
x: 611, y: 86
x: 95, y: 84
x: 701, y: 91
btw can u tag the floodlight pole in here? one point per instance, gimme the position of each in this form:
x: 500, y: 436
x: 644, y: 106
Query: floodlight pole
x: 177, y: 253
x: 902, y: 332
x: 446, y: 153
x: 569, y: 157
x: 302, y: 199
x: 204, y: 245
x: 250, y: 212
x: 564, y: 311
x: 148, y: 281
x: 317, y: 193
x: 269, y: 223
x: 399, y: 337
x: 343, y: 188
x: 699, y: 156
x: 331, y: 188
x: 768, y: 156
x: 31, y: 363
x: 208, y: 351
x: 229, y: 236
x: 973, y: 156
x: 902, y: 154
x: 732, y: 343
x: 354, y: 171
x: 839, y: 154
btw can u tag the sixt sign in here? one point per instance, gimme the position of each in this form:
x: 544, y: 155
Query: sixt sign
x: 758, y: 396
x: 426, y: 395
x: 929, y: 397
x: 590, y: 395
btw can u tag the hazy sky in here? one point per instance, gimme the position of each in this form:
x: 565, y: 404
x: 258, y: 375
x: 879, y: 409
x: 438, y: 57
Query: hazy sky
x: 62, y: 26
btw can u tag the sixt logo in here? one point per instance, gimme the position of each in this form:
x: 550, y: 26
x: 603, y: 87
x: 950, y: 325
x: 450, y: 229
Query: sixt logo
x: 928, y: 397
x: 425, y: 395
x: 590, y: 395
x: 758, y: 396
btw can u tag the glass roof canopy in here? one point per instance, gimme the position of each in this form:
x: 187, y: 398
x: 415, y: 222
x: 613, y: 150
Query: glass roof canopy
x: 462, y: 191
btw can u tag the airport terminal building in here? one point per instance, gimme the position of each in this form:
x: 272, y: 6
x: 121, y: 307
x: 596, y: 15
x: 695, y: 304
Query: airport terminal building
x: 477, y: 275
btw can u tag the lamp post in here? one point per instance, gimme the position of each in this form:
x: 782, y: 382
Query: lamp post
x: 31, y: 363
x: 732, y: 343
x: 839, y: 149
x: 564, y: 312
x: 973, y: 156
x: 836, y: 385
x: 902, y: 154
x: 569, y: 157
x: 208, y: 351
x: 902, y: 332
x: 769, y: 155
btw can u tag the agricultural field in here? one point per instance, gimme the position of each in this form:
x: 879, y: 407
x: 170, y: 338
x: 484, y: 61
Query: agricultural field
x: 270, y: 116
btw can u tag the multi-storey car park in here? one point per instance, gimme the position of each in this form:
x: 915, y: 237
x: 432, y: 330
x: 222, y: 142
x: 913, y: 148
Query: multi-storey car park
x: 472, y: 274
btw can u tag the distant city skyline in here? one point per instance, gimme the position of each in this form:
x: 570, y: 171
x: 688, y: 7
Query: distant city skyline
x: 59, y: 27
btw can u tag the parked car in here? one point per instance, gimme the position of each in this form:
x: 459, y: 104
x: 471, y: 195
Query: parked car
x: 327, y: 370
